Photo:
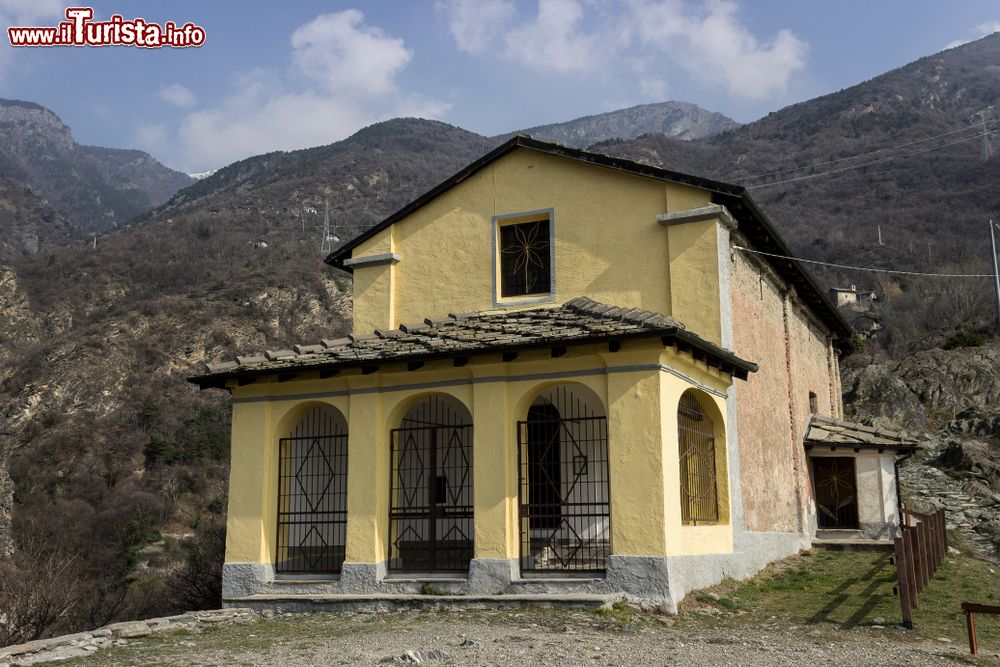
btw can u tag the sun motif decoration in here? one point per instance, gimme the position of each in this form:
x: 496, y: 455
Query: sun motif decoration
x: 837, y: 481
x: 525, y: 257
x: 835, y: 491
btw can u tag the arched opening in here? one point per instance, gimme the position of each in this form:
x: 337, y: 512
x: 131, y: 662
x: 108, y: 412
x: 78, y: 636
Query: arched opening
x: 565, y: 518
x: 430, y: 514
x: 697, y: 459
x: 312, y: 494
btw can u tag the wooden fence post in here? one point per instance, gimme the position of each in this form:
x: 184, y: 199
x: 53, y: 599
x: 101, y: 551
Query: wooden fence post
x: 926, y: 558
x: 970, y: 626
x: 944, y: 531
x: 903, y: 568
x: 911, y: 569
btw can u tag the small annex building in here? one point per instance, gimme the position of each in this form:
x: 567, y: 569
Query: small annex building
x: 568, y: 374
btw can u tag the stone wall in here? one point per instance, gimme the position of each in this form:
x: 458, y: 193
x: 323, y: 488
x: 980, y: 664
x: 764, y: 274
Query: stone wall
x: 809, y: 375
x: 772, y: 328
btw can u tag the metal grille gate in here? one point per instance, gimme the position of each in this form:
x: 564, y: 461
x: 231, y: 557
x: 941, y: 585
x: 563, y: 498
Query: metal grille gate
x: 564, y: 504
x: 698, y: 480
x: 312, y: 504
x: 431, y: 517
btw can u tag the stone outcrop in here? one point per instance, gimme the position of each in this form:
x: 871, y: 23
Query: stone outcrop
x: 961, y: 476
x: 953, y: 397
x: 117, y: 634
x: 924, y: 389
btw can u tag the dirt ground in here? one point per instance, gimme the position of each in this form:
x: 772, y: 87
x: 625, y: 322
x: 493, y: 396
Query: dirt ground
x: 532, y: 637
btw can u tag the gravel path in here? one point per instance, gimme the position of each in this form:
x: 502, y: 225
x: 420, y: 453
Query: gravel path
x: 531, y: 637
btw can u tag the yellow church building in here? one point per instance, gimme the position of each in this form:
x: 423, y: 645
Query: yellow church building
x: 570, y: 376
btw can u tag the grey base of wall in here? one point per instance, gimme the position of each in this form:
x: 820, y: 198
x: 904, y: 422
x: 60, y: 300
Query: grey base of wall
x: 649, y: 581
x: 752, y: 553
x: 384, y: 603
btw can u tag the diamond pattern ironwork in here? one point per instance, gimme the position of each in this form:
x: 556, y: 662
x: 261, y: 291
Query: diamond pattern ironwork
x: 410, y: 459
x: 564, y: 495
x: 432, y: 489
x: 454, y: 445
x: 307, y: 548
x: 565, y: 549
x: 309, y: 460
x: 312, y: 501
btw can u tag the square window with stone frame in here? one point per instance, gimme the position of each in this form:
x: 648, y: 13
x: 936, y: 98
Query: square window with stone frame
x: 525, y: 256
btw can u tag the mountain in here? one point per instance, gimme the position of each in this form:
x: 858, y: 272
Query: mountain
x: 895, y: 155
x: 95, y: 188
x: 114, y: 459
x: 361, y: 178
x: 682, y: 120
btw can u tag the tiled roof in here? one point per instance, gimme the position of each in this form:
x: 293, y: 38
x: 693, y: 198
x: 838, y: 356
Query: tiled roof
x: 578, y: 321
x: 825, y: 431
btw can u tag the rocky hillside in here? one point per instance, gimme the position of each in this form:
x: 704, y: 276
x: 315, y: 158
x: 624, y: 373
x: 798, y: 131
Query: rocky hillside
x: 950, y: 400
x: 28, y: 224
x: 96, y: 189
x: 681, y: 120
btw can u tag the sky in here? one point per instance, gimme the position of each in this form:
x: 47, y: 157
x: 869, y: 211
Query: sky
x: 299, y: 73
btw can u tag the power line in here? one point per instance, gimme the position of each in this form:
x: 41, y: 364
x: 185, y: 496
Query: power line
x: 868, y: 268
x: 877, y: 150
x: 869, y: 163
x: 986, y: 115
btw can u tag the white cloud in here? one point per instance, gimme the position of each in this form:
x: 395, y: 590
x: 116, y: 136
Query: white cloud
x: 217, y: 137
x: 25, y: 13
x: 150, y: 136
x: 552, y: 40
x: 980, y: 31
x: 476, y: 24
x: 652, y: 86
x: 346, y: 56
x: 178, y: 95
x: 343, y: 77
x: 707, y: 40
x: 715, y: 46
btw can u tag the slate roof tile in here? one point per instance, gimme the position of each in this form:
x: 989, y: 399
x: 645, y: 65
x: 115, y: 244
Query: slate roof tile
x: 580, y: 320
x: 839, y: 433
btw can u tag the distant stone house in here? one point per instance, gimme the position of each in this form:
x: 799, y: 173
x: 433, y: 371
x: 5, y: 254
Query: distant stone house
x: 852, y: 296
x: 569, y: 374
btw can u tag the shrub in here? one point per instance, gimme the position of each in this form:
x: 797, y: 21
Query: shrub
x: 964, y: 339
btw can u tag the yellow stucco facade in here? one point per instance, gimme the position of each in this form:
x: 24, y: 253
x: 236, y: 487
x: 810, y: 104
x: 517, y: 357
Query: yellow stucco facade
x: 608, y: 245
x: 649, y: 246
x: 641, y: 401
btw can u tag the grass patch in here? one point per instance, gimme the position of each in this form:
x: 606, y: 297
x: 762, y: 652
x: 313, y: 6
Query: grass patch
x: 620, y: 611
x: 848, y: 590
x: 430, y: 589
